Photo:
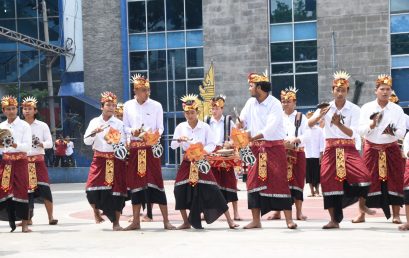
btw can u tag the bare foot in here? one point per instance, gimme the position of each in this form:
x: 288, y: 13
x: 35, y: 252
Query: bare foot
x: 168, y: 226
x: 276, y: 215
x: 29, y: 223
x: 331, y: 225
x: 404, y: 227
x: 117, y: 228
x: 359, y: 219
x: 146, y: 219
x: 301, y: 217
x: 396, y: 220
x: 185, y: 225
x: 233, y: 225
x: 26, y: 230
x: 237, y: 218
x: 368, y: 211
x: 291, y: 225
x: 252, y: 224
x: 98, y: 218
x: 311, y: 195
x: 53, y: 222
x: 130, y: 219
x: 133, y: 226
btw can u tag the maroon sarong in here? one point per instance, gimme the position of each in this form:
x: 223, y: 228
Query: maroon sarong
x: 296, y: 162
x: 14, y: 177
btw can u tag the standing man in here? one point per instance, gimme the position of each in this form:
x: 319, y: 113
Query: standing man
x: 69, y: 152
x: 60, y: 146
x: 15, y: 182
x: 267, y: 183
x: 41, y: 140
x: 344, y: 177
x: 144, y: 171
x: 382, y: 124
x: 295, y: 128
x: 106, y: 187
x: 225, y: 177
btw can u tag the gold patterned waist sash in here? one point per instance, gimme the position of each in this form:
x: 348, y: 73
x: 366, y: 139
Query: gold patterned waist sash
x: 382, y: 161
x: 137, y: 144
x: 6, y: 176
x: 14, y: 155
x: 340, y: 166
x: 141, y: 152
x: 35, y: 158
x: 109, y: 166
x: 32, y: 171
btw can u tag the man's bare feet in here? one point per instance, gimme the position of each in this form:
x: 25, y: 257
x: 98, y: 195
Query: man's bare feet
x: 133, y: 226
x: 396, y: 220
x: 185, y: 225
x: 359, y: 219
x: 117, y: 228
x: 291, y: 225
x: 168, y: 226
x: 130, y: 219
x: 53, y: 222
x: 311, y: 195
x: 368, y: 211
x: 404, y: 227
x: 29, y: 223
x: 253, y: 224
x: 301, y: 217
x: 26, y: 230
x: 146, y: 219
x: 331, y: 225
x: 276, y: 215
x: 237, y: 218
x: 233, y: 225
x: 98, y: 218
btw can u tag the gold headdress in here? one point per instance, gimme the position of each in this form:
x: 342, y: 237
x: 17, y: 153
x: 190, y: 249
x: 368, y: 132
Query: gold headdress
x: 119, y: 110
x: 253, y: 77
x: 108, y: 96
x: 139, y: 81
x: 341, y: 79
x: 289, y: 93
x: 394, y: 98
x: 7, y: 101
x: 218, y: 101
x: 29, y: 102
x: 189, y: 102
x: 384, y: 79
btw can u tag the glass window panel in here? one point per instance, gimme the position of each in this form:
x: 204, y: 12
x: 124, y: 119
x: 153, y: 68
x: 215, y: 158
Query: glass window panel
x: 180, y: 90
x: 279, y: 83
x: 305, y: 50
x: 280, y: 11
x: 174, y: 15
x: 29, y: 65
x: 399, y: 6
x: 305, y: 10
x: 281, y: 68
x: 156, y: 15
x: 400, y: 44
x: 176, y: 39
x: 26, y: 8
x: 137, y: 42
x: 195, y: 73
x: 306, y: 67
x: 305, y: 30
x: 400, y: 83
x: 400, y: 61
x: 157, y: 65
x: 180, y: 64
x: 8, y: 66
x: 400, y: 23
x: 136, y: 17
x: 138, y: 61
x: 194, y: 57
x: 7, y: 46
x: 281, y: 32
x: 194, y: 38
x: 52, y: 7
x: 307, y: 85
x: 281, y: 52
x: 193, y: 86
x: 158, y: 93
x: 194, y: 17
x: 10, y: 24
x: 7, y: 9
x: 53, y: 29
x: 28, y: 27
x: 156, y: 40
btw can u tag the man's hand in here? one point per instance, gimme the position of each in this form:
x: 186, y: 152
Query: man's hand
x: 375, y: 120
x: 389, y: 130
x: 336, y: 120
x: 324, y: 111
x: 97, y: 130
x: 136, y: 132
x: 239, y: 124
x: 183, y: 139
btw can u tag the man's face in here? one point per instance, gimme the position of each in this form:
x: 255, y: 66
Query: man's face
x: 10, y: 112
x: 253, y: 89
x: 340, y: 93
x: 108, y: 109
x: 288, y: 105
x: 191, y: 115
x: 217, y: 111
x: 383, y: 92
x: 142, y: 94
x: 29, y: 112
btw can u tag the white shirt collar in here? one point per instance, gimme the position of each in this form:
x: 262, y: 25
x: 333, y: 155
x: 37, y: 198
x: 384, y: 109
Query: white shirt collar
x: 213, y: 120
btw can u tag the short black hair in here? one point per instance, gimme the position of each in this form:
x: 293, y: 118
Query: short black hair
x: 264, y: 86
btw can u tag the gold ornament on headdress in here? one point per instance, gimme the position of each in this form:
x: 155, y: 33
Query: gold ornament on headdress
x: 139, y: 81
x: 7, y: 101
x: 254, y: 78
x: 119, y: 110
x: 341, y: 79
x: 394, y: 98
x: 189, y: 102
x: 289, y: 93
x: 218, y: 101
x: 108, y: 96
x: 384, y: 79
x: 29, y: 102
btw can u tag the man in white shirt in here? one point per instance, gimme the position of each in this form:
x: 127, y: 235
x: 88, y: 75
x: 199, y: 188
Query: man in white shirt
x: 295, y: 127
x: 267, y: 183
x: 106, y: 187
x: 69, y: 152
x: 344, y: 177
x: 314, y: 147
x: 394, y: 99
x: 14, y: 200
x: 196, y: 191
x: 382, y: 123
x: 144, y: 171
x: 405, y: 226
x: 225, y: 176
x: 41, y: 140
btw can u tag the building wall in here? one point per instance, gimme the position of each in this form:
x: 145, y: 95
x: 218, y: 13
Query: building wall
x: 362, y: 39
x: 102, y: 48
x: 236, y: 39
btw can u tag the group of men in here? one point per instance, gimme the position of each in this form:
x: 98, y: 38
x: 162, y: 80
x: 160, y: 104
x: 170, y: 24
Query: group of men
x: 127, y: 164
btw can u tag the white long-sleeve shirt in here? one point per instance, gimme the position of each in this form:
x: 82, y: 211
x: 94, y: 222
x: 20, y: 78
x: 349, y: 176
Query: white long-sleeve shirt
x: 201, y: 133
x: 315, y: 143
x: 42, y: 131
x: 289, y: 127
x: 217, y: 128
x: 21, y: 132
x: 392, y: 114
x: 350, y: 113
x: 98, y: 143
x: 150, y: 114
x: 265, y: 118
